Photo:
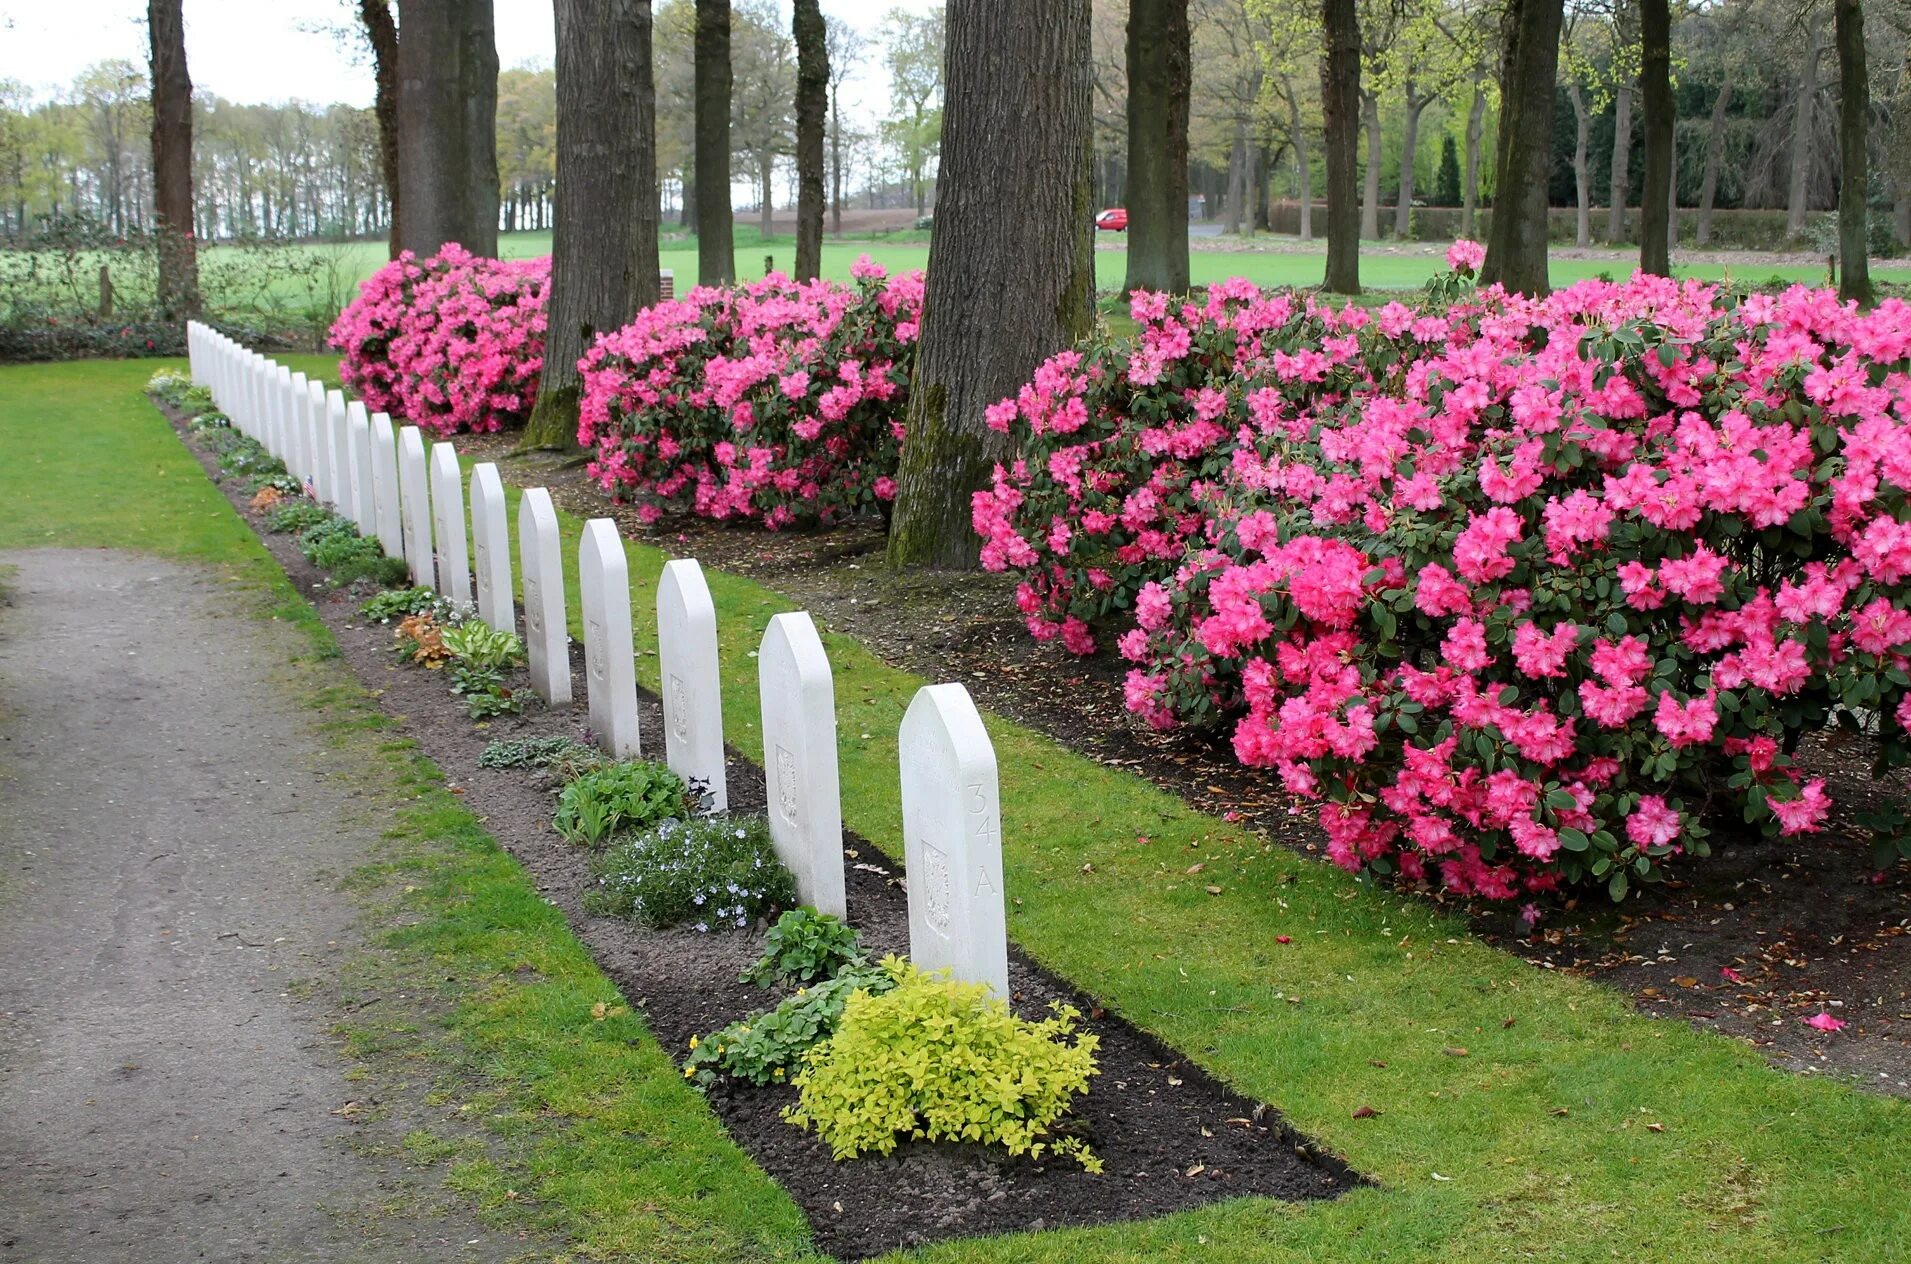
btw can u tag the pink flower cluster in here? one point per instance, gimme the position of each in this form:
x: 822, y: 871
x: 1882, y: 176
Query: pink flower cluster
x: 450, y: 343
x: 1519, y: 593
x: 778, y: 401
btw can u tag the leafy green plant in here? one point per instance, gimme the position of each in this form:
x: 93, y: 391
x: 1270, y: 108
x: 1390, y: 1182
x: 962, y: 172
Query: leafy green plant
x: 766, y: 1048
x: 280, y: 482
x: 478, y: 645
x: 802, y: 947
x: 491, y: 701
x: 710, y: 872
x: 396, y: 602
x: 942, y: 1060
x: 335, y: 546
x: 527, y: 752
x: 619, y: 797
x: 296, y: 516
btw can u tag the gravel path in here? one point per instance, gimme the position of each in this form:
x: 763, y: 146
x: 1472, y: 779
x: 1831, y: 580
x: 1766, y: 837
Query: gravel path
x: 169, y: 856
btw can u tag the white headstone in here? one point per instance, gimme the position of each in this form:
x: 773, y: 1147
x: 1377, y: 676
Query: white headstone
x: 384, y: 445
x: 952, y: 839
x: 342, y: 469
x: 414, y: 500
x: 491, y: 548
x: 687, y: 672
x: 447, y: 525
x: 547, y: 641
x: 799, y: 760
x: 281, y: 410
x: 296, y: 463
x: 318, y: 442
x: 610, y: 664
x: 358, y: 446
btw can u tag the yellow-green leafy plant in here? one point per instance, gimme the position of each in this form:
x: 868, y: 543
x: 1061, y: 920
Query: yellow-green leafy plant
x: 939, y: 1060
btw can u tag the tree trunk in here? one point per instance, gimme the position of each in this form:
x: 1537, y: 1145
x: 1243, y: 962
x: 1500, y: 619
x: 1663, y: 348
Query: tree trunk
x: 381, y: 32
x: 766, y: 170
x: 1582, y: 167
x: 178, y: 291
x: 1621, y: 185
x: 1370, y: 195
x: 1516, y: 246
x: 1015, y: 133
x: 1160, y: 74
x: 604, y: 250
x: 1258, y: 176
x: 1900, y: 214
x: 1237, y: 178
x: 812, y: 106
x: 447, y: 126
x: 1409, y: 145
x: 1303, y: 161
x: 1854, y: 101
x: 835, y: 163
x: 1470, y: 191
x: 716, y: 249
x: 1802, y: 129
x: 1714, y: 158
x: 1340, y: 104
x: 1655, y: 100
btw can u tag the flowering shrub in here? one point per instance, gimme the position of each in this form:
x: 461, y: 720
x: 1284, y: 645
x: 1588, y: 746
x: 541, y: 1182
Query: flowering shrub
x: 452, y: 343
x: 1518, y: 592
x: 780, y: 400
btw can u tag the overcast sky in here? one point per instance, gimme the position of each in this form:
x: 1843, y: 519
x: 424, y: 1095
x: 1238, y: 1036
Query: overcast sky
x: 254, y: 51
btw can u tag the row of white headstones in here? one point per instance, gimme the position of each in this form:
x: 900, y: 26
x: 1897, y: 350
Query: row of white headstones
x: 379, y: 477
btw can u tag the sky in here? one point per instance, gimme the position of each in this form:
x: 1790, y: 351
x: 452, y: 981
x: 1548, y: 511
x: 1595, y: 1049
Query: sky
x: 259, y: 51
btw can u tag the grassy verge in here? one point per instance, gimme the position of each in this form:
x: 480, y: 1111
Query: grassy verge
x: 1522, y: 1115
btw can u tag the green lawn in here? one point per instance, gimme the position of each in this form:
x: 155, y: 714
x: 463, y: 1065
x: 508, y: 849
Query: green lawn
x: 1575, y: 1129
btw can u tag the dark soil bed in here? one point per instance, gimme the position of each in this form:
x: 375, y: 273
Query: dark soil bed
x: 1805, y: 923
x: 1171, y: 1137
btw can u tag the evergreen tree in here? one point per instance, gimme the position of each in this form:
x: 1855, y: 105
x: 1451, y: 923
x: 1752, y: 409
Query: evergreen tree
x: 1446, y: 189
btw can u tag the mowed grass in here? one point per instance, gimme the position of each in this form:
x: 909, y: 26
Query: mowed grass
x: 1571, y: 1129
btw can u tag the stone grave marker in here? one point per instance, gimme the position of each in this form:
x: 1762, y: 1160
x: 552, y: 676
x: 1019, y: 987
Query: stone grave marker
x: 318, y: 443
x: 547, y: 641
x: 491, y: 548
x: 414, y: 502
x: 338, y: 435
x: 295, y: 462
x: 952, y: 839
x: 281, y: 414
x: 384, y: 445
x: 687, y: 671
x: 610, y: 665
x: 447, y: 526
x: 799, y: 760
x: 358, y: 443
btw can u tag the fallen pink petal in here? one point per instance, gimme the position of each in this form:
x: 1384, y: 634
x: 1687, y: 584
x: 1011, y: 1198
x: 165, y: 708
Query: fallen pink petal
x: 1825, y: 1022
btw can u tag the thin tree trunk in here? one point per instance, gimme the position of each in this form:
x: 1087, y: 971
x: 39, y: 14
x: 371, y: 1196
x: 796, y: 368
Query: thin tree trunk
x: 1616, y: 194
x: 1854, y: 101
x: 1516, y: 246
x: 478, y: 90
x: 766, y: 171
x: 1409, y: 146
x: 381, y: 32
x: 1303, y: 160
x: 1803, y: 104
x: 716, y: 249
x: 1237, y: 178
x: 447, y: 126
x: 1015, y: 133
x: 1340, y: 104
x: 1714, y: 158
x: 604, y: 250
x: 178, y: 290
x: 1370, y: 195
x: 1582, y: 167
x: 1900, y: 213
x: 1470, y: 190
x: 812, y: 104
x: 1160, y: 75
x: 1656, y: 103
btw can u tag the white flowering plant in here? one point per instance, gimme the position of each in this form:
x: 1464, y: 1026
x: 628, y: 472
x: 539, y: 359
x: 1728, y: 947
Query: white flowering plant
x: 711, y: 873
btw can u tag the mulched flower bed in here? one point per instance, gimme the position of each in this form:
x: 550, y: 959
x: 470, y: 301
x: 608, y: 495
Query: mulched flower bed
x: 1171, y: 1137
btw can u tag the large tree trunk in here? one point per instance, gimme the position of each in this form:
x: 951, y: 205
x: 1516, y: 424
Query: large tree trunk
x: 381, y: 32
x: 1854, y: 102
x: 172, y: 161
x: 1621, y: 185
x: 447, y: 126
x: 1007, y: 290
x: 716, y: 249
x: 1516, y: 246
x: 766, y: 173
x: 1370, y: 195
x: 1303, y: 160
x: 1470, y: 190
x: 1714, y: 158
x: 812, y: 106
x: 604, y: 251
x: 1159, y: 77
x: 1409, y: 146
x: 1237, y: 178
x: 1655, y: 100
x: 1340, y: 104
x: 1802, y: 106
x: 1582, y: 167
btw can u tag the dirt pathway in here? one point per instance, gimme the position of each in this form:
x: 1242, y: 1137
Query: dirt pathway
x: 169, y: 863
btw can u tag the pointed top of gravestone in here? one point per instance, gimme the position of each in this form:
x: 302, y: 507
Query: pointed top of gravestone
x: 682, y: 584
x: 355, y: 412
x: 791, y: 643
x: 411, y: 442
x: 486, y: 484
x: 599, y: 544
x: 947, y: 715
x: 444, y: 458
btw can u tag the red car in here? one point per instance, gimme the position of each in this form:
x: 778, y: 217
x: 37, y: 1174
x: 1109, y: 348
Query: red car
x: 1114, y: 219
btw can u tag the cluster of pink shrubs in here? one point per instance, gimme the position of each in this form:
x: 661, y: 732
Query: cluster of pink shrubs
x: 779, y: 401
x: 450, y: 343
x: 1518, y: 592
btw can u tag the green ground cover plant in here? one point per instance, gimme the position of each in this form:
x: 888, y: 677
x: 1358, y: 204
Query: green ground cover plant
x: 711, y: 873
x: 617, y: 798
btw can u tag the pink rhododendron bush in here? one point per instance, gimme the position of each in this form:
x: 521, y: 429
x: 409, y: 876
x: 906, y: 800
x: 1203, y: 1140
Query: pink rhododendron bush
x: 450, y: 343
x: 779, y: 401
x: 1518, y: 593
